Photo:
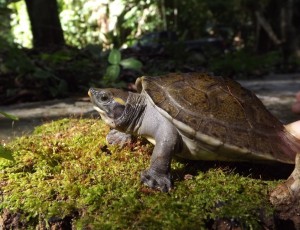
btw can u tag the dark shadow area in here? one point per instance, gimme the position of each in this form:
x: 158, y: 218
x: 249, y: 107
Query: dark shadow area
x: 263, y: 171
x: 286, y: 217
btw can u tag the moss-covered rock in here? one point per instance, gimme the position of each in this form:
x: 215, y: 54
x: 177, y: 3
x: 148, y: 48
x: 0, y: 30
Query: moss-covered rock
x: 65, y: 172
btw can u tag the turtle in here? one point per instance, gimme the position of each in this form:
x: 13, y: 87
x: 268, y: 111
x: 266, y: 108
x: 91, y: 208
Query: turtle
x: 196, y: 116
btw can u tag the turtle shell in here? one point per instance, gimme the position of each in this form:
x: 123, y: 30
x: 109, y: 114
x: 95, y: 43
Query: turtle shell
x: 221, y: 114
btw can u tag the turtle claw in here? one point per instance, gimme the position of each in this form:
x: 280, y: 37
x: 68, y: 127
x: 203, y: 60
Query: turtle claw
x: 156, y: 180
x: 115, y: 137
x: 283, y: 193
x: 288, y: 191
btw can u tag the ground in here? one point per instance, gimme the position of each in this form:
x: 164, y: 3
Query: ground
x: 65, y: 176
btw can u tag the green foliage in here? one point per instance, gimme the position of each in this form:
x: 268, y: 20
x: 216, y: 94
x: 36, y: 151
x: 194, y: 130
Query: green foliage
x: 5, y: 29
x: 6, y: 153
x: 29, y: 72
x: 131, y: 63
x: 65, y: 169
x: 116, y: 62
x: 135, y: 18
x: 243, y: 63
x: 79, y: 20
x: 118, y: 23
x: 47, y: 75
x: 92, y: 22
x: 114, y: 57
x: 10, y: 116
x: 20, y: 24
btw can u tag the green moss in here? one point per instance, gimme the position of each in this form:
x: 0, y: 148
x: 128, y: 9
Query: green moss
x: 65, y: 169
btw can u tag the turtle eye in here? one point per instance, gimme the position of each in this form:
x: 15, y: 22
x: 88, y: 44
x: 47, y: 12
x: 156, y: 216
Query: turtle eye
x: 104, y: 97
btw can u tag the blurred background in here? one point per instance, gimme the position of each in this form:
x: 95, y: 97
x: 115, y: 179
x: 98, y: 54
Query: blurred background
x: 55, y: 49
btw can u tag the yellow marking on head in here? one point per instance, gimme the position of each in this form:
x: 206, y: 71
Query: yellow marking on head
x: 119, y: 100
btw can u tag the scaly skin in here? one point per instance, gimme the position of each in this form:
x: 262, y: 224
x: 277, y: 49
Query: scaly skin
x: 288, y: 191
x: 115, y: 137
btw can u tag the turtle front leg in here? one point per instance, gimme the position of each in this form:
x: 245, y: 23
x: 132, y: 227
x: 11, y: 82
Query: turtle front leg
x: 160, y: 131
x: 289, y: 191
x: 158, y: 176
x: 115, y: 137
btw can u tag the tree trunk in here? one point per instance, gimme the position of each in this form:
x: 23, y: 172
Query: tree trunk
x: 45, y: 24
x: 282, y: 31
x: 269, y: 24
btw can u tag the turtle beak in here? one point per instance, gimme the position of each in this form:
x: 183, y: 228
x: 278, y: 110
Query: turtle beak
x: 90, y: 92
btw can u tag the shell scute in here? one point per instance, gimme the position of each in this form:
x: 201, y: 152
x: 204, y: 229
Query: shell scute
x: 219, y: 110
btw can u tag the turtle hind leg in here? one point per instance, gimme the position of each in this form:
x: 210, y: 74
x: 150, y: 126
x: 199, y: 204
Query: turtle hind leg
x: 286, y: 198
x: 288, y: 191
x: 295, y: 187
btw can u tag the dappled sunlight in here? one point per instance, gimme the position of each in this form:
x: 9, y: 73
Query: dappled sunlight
x: 57, y: 169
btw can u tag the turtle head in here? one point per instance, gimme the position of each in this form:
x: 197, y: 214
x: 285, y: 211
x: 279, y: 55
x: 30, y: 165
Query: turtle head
x: 110, y: 103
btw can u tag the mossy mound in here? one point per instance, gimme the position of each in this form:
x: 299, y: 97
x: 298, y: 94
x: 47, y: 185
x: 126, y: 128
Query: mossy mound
x: 65, y: 172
